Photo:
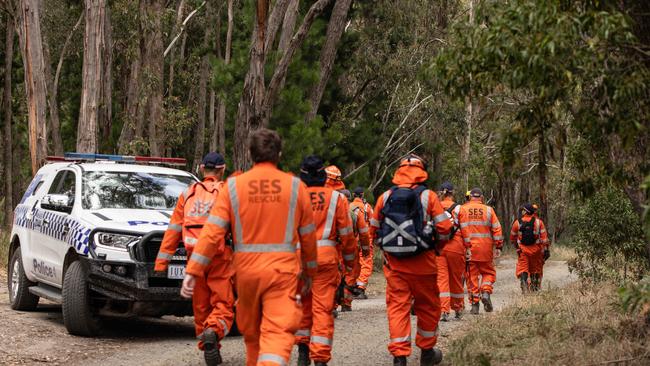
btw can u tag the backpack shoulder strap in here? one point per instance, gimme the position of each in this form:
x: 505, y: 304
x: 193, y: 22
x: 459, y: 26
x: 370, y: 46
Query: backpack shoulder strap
x: 452, y: 207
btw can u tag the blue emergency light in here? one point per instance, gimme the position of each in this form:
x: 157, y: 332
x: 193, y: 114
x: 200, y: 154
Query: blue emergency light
x: 73, y: 156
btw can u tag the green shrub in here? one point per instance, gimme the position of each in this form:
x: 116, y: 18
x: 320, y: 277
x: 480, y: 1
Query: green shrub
x: 636, y: 298
x: 608, y: 238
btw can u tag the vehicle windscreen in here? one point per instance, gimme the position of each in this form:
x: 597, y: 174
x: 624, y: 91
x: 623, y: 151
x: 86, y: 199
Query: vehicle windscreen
x: 132, y: 190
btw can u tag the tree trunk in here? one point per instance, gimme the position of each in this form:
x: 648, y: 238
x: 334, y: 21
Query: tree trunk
x: 31, y: 45
x: 8, y: 116
x: 54, y: 126
x: 92, y: 75
x: 542, y: 169
x: 105, y: 118
x: 467, y: 142
x: 132, y: 107
x: 153, y: 63
x: 177, y: 26
x: 335, y: 30
x: 199, y: 140
x: 218, y: 137
x: 288, y: 25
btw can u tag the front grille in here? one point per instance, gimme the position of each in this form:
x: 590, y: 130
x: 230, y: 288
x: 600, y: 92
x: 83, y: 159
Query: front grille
x: 147, y: 249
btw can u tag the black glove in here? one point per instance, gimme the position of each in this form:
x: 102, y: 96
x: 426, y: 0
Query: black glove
x: 547, y: 254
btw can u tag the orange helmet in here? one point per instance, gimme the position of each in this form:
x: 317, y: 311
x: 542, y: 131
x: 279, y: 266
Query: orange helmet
x: 413, y: 160
x: 334, y: 179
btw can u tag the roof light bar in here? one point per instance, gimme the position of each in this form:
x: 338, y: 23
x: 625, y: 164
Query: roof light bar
x: 69, y: 156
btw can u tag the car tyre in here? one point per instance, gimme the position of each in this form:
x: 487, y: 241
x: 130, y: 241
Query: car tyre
x: 79, y: 316
x: 18, y: 285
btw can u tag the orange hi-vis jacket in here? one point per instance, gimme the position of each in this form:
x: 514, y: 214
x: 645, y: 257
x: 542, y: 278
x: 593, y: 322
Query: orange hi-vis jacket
x: 456, y: 243
x: 332, y: 221
x: 539, y: 230
x: 360, y: 223
x: 424, y: 263
x: 190, y: 214
x: 480, y: 228
x: 268, y: 211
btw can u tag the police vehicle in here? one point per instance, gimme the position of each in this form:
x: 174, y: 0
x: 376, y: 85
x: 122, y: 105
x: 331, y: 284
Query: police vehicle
x: 86, y: 234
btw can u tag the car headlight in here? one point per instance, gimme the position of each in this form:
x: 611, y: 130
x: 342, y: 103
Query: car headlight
x: 114, y: 240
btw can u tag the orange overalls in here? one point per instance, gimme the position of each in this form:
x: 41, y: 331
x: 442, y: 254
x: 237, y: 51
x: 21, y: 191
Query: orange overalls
x: 268, y: 212
x: 332, y: 222
x: 412, y: 280
x: 531, y: 257
x: 451, y: 266
x: 361, y: 240
x: 481, y: 229
x: 213, y: 297
x: 364, y: 262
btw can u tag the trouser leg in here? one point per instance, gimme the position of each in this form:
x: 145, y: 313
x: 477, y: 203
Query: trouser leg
x: 398, y: 310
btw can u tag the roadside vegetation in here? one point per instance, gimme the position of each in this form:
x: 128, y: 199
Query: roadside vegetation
x: 4, y: 248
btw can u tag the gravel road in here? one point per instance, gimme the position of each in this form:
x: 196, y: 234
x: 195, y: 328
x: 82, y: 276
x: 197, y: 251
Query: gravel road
x: 361, y: 336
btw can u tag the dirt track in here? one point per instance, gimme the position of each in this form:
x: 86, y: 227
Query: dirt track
x: 360, y: 338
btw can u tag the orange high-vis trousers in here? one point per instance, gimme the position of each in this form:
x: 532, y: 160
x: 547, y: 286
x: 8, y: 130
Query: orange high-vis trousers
x: 401, y: 289
x: 451, y: 267
x: 213, y: 299
x: 530, y: 261
x: 351, y: 280
x: 488, y: 275
x: 366, y: 268
x: 267, y: 314
x: 317, y: 325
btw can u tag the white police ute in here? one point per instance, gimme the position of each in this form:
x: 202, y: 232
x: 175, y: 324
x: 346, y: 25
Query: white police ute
x: 86, y: 234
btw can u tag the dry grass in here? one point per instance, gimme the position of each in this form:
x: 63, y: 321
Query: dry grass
x: 562, y: 253
x: 4, y: 248
x: 577, y: 325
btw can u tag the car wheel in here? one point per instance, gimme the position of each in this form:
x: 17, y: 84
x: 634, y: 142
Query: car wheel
x: 79, y: 317
x: 18, y: 285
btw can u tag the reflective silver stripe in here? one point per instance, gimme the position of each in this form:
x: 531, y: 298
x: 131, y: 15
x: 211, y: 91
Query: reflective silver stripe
x: 474, y: 223
x: 265, y: 248
x: 364, y: 230
x: 424, y: 200
x: 164, y: 256
x: 458, y: 296
x: 234, y: 202
x: 496, y: 225
x: 225, y: 327
x: 365, y: 248
x: 498, y: 237
x: 542, y: 231
x: 426, y: 333
x: 331, y: 211
x: 442, y: 217
x: 303, y: 333
x: 307, y: 229
x: 480, y: 235
x: 359, y: 283
x: 187, y: 192
x: 175, y: 227
x: 311, y: 264
x: 374, y: 222
x: 489, y: 214
x: 487, y: 283
x: 271, y: 357
x: 291, y: 217
x: 457, y: 210
x: 400, y: 249
x: 321, y: 340
x: 399, y: 230
x: 348, y: 268
x: 345, y: 231
x: 326, y: 243
x: 190, y: 240
x: 385, y: 196
x: 348, y: 257
x: 467, y: 240
x: 445, y: 294
x: 201, y: 259
x: 224, y: 224
x: 401, y: 339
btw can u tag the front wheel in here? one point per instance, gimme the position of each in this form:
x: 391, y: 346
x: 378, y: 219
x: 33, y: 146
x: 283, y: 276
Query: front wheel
x: 79, y: 317
x: 19, y: 296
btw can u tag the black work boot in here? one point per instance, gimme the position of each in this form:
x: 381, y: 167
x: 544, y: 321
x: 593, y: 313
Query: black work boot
x: 475, y: 308
x: 361, y: 295
x: 487, y: 303
x: 458, y: 314
x: 303, y: 355
x: 320, y: 364
x: 444, y: 317
x: 211, y: 352
x: 523, y: 278
x: 346, y: 308
x: 399, y: 361
x: 535, y: 282
x: 430, y: 357
x: 335, y: 313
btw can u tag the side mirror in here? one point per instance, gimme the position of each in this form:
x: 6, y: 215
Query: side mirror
x: 57, y: 202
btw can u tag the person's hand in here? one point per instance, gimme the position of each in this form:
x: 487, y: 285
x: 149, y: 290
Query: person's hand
x: 547, y: 254
x: 518, y: 251
x: 468, y: 255
x: 497, y: 253
x: 306, y: 285
x: 187, y: 290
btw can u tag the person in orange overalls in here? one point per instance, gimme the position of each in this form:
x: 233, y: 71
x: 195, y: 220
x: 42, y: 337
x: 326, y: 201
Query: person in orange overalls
x: 451, y: 261
x: 334, y: 234
x: 213, y: 299
x: 528, y: 234
x: 366, y: 260
x: 412, y: 280
x: 268, y: 212
x: 361, y: 230
x: 480, y: 228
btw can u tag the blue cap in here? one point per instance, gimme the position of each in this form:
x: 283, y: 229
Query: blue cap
x: 214, y: 160
x: 447, y: 186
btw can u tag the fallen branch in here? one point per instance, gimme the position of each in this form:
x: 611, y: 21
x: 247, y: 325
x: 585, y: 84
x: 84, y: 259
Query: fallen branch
x: 187, y: 19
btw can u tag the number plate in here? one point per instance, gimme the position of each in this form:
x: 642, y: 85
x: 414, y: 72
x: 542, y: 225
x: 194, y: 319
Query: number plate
x: 176, y: 272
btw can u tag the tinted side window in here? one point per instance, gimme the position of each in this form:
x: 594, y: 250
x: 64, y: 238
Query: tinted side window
x: 64, y: 183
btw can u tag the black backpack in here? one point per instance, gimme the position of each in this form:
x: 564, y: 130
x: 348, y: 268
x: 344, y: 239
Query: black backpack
x: 401, y: 231
x: 527, y: 230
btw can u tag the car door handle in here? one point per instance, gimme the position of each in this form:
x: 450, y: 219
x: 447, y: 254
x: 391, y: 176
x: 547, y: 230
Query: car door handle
x: 46, y: 222
x: 66, y: 229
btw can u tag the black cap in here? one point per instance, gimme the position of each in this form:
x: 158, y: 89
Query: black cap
x: 529, y: 208
x: 346, y: 193
x: 312, y: 171
x: 447, y: 187
x: 214, y: 160
x: 476, y: 192
x: 358, y: 191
